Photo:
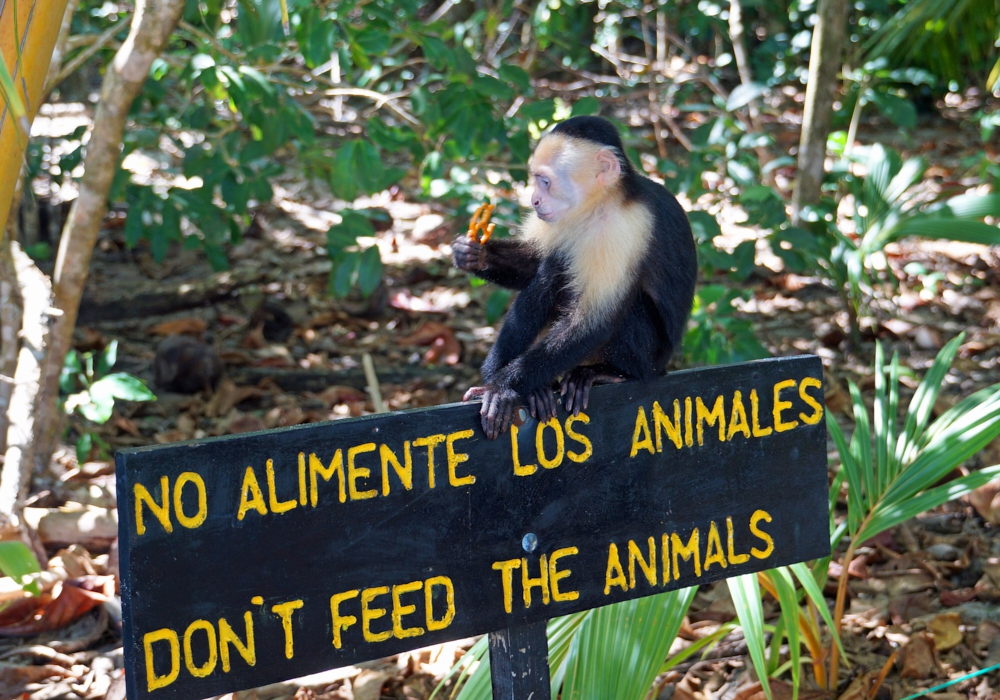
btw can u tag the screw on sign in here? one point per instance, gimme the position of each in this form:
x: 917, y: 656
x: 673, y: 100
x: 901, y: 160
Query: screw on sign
x: 248, y: 559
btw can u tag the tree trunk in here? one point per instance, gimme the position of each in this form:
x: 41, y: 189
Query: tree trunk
x: 11, y: 313
x: 19, y: 458
x: 152, y: 25
x: 824, y: 63
x: 38, y: 26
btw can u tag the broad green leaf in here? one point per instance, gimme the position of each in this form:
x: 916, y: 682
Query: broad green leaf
x: 586, y: 105
x: 120, y: 385
x: 950, y: 230
x: 369, y: 271
x: 517, y: 76
x: 496, y: 305
x: 743, y: 95
x: 19, y: 562
x: 107, y: 359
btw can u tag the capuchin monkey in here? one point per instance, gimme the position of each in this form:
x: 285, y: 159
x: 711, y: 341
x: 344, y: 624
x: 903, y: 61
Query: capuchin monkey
x: 606, y: 268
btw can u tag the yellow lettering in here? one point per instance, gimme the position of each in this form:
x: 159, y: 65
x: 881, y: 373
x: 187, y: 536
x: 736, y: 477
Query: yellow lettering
x: 686, y: 552
x: 688, y: 432
x: 170, y: 637
x: 256, y: 500
x: 506, y: 569
x: 738, y: 418
x: 734, y: 558
x: 341, y: 622
x: 641, y: 427
x: 527, y: 583
x: 519, y: 469
x: 404, y: 473
x: 615, y: 575
x: 665, y: 557
x: 779, y: 406
x: 663, y: 425
x: 213, y: 655
x: 540, y: 444
x: 161, y: 512
x: 716, y: 557
x: 555, y: 576
x: 199, y: 517
x: 449, y: 613
x: 227, y: 636
x: 716, y: 415
x: 754, y: 519
x: 316, y: 468
x: 758, y: 432
x: 648, y: 567
x: 368, y: 614
x: 456, y: 458
x: 398, y: 610
x: 303, y: 491
x: 272, y: 492
x: 588, y: 449
x: 355, y: 472
x: 815, y: 405
x: 430, y: 442
x: 285, y: 611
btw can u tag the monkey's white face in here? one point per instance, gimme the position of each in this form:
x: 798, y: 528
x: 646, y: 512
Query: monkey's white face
x: 567, y: 173
x: 555, y: 193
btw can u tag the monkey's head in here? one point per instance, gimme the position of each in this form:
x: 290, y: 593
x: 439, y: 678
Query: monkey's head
x: 577, y: 163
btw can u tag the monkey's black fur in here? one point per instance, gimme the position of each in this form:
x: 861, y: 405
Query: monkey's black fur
x: 634, y: 342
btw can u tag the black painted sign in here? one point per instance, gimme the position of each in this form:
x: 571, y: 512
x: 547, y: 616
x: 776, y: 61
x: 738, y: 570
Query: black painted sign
x: 255, y: 558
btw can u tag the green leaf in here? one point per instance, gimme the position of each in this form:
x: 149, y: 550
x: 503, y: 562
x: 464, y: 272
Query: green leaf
x: 750, y: 612
x: 899, y: 110
x: 121, y: 385
x: 19, y: 562
x: 947, y: 229
x: 496, y: 305
x: 488, y: 86
x: 369, y: 271
x: 107, y: 359
x: 812, y: 589
x: 586, y: 105
x: 84, y: 446
x: 743, y: 95
x: 517, y: 76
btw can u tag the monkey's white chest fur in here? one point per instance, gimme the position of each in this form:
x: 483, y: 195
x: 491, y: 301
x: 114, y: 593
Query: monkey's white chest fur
x: 605, y: 246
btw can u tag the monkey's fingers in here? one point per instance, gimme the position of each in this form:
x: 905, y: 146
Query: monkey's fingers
x: 474, y: 392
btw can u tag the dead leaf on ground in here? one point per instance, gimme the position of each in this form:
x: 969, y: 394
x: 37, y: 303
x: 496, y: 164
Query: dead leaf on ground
x: 180, y: 326
x: 229, y: 396
x: 69, y: 600
x: 986, y: 500
x: 425, y: 334
x: 445, y: 348
x: 962, y: 595
x: 336, y: 394
x: 945, y: 630
x: 860, y: 687
x: 918, y: 659
x: 368, y: 684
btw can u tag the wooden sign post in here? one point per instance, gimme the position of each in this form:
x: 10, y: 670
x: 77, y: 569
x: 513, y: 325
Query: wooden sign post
x: 251, y: 559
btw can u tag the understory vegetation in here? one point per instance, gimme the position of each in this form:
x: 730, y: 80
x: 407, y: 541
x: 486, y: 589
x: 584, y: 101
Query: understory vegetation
x: 283, y: 193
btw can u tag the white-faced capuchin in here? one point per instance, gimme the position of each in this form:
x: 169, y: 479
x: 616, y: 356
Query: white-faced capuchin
x: 606, y: 268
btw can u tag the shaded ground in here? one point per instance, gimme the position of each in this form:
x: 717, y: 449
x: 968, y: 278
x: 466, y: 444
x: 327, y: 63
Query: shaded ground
x: 292, y: 355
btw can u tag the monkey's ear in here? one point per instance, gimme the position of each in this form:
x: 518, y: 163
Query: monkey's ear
x: 609, y: 168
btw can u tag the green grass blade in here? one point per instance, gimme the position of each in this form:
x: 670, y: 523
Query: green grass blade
x: 848, y: 467
x: 861, y: 447
x: 707, y: 643
x: 882, y: 418
x: 893, y: 413
x: 478, y: 685
x: 815, y: 593
x: 891, y: 514
x: 923, y: 400
x: 750, y: 612
x: 789, y: 602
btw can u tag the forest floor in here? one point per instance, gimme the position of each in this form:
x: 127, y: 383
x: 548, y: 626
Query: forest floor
x: 292, y: 355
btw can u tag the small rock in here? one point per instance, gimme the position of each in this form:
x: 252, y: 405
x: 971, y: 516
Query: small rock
x: 944, y: 552
x: 926, y: 338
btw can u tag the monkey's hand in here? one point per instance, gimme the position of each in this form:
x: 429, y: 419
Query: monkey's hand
x: 468, y: 255
x: 498, y: 411
x: 542, y: 404
x: 576, y: 387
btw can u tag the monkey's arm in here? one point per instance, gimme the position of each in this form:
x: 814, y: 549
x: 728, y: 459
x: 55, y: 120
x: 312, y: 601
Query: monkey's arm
x: 507, y: 262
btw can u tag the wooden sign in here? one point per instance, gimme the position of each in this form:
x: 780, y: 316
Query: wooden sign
x: 250, y: 559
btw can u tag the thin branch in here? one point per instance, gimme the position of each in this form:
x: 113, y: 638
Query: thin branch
x: 103, y: 41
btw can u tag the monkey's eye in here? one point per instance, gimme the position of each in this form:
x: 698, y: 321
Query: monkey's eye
x: 544, y: 181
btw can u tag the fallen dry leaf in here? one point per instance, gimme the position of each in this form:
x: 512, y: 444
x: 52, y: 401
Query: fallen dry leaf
x: 860, y: 687
x: 986, y: 501
x: 445, y: 348
x: 962, y: 595
x: 945, y: 630
x: 68, y: 601
x: 180, y: 326
x: 919, y: 659
x: 426, y: 334
x: 336, y: 394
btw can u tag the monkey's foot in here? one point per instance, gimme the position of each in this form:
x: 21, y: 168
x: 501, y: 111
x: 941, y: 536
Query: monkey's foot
x: 518, y: 417
x: 576, y: 387
x: 542, y: 404
x: 500, y: 406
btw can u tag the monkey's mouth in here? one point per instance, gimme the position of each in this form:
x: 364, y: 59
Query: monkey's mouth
x: 544, y: 216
